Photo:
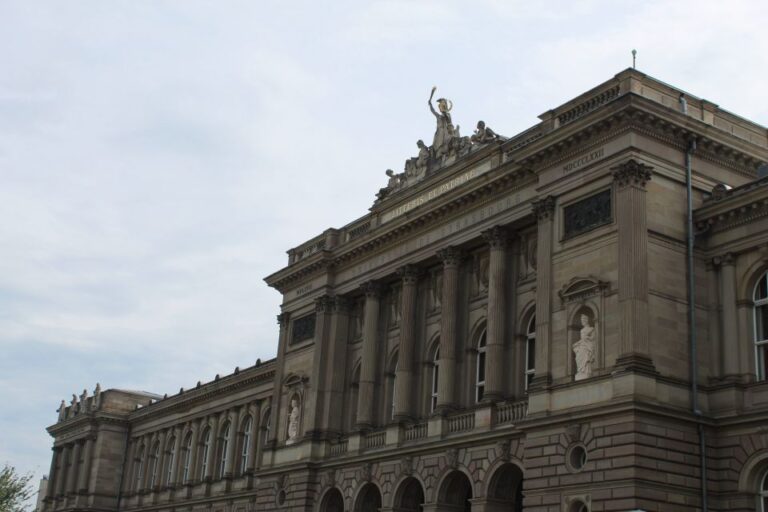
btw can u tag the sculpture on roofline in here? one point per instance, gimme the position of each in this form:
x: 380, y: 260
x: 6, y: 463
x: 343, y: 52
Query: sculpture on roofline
x: 483, y: 134
x: 62, y: 410
x: 83, y: 401
x: 445, y: 130
x: 96, y: 397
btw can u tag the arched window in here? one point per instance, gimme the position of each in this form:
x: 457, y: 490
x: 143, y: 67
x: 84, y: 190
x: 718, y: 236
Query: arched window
x: 761, y: 327
x: 530, y: 351
x: 140, y: 468
x: 480, y: 370
x: 435, y: 376
x: 224, y: 448
x: 267, y: 428
x: 154, y: 461
x: 171, y: 460
x: 763, y: 492
x: 204, y: 449
x: 187, y: 459
x: 247, y: 425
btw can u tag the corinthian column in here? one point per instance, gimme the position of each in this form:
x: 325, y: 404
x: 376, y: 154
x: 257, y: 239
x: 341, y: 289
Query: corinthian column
x: 368, y: 366
x: 497, y: 305
x: 630, y: 179
x: 544, y: 210
x: 446, y: 384
x: 405, y: 365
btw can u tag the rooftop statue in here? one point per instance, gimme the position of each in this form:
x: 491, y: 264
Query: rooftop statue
x: 445, y: 130
x: 484, y: 134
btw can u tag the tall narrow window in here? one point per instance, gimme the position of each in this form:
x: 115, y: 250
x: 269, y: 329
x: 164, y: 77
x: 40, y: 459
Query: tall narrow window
x: 204, y: 452
x: 187, y: 459
x: 265, y: 438
x: 140, y: 468
x: 480, y: 371
x: 435, y: 374
x: 171, y: 461
x: 155, y: 460
x: 393, y: 390
x: 761, y: 327
x: 764, y: 492
x: 247, y: 425
x: 530, y: 351
x: 224, y: 449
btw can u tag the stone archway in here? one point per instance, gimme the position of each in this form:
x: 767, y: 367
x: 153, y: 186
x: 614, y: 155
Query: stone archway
x: 409, y: 496
x: 333, y: 501
x: 455, y: 493
x: 505, y: 489
x: 368, y: 499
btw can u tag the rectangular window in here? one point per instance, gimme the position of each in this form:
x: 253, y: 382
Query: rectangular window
x: 303, y: 328
x: 587, y: 214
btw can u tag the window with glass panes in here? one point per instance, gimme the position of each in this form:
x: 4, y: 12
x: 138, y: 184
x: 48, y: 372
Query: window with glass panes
x: 530, y: 351
x: 761, y: 327
x: 480, y: 370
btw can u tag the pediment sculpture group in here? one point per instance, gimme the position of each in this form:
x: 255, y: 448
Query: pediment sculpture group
x: 447, y: 144
x: 82, y: 405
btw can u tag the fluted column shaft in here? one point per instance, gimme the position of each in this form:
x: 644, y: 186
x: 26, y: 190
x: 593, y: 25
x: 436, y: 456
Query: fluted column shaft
x: 66, y: 459
x: 59, y: 472
x: 730, y: 316
x: 368, y: 364
x: 129, y: 477
x: 497, y: 304
x: 85, y: 468
x: 446, y: 383
x: 544, y: 209
x: 337, y: 358
x: 317, y: 396
x: 72, y: 472
x: 282, y: 347
x: 159, y: 463
x: 630, y: 179
x: 146, y: 466
x: 404, y: 375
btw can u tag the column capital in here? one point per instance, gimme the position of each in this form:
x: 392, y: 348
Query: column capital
x: 450, y: 256
x: 324, y: 304
x: 496, y: 237
x: 544, y: 208
x: 409, y: 273
x: 341, y: 304
x: 631, y: 172
x: 283, y: 318
x: 371, y: 289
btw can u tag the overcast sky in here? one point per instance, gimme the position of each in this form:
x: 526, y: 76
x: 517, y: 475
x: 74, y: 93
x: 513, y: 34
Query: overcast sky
x: 157, y: 158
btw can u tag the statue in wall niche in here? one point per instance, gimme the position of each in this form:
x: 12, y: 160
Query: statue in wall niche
x: 62, y: 410
x: 483, y: 134
x: 584, y: 350
x: 293, y: 421
x: 445, y: 129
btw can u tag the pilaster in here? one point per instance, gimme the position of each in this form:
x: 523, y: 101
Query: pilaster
x: 630, y: 179
x: 730, y: 339
x: 497, y: 271
x: 365, y: 404
x: 544, y: 210
x: 446, y: 398
x: 405, y: 373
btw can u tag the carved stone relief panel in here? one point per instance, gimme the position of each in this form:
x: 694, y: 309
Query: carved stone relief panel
x: 436, y: 290
x: 480, y: 273
x: 587, y: 214
x: 303, y: 328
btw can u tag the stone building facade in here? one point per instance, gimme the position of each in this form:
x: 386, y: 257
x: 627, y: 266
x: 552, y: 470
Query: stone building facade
x: 510, y: 327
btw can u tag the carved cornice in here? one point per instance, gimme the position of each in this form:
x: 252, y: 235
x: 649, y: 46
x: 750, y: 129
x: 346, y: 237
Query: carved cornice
x: 409, y: 274
x: 544, y: 209
x: 496, y: 237
x: 450, y: 256
x: 731, y: 208
x: 631, y: 173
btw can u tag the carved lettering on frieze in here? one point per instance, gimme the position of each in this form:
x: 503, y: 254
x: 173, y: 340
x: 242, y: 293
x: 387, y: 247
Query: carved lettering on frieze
x: 584, y: 160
